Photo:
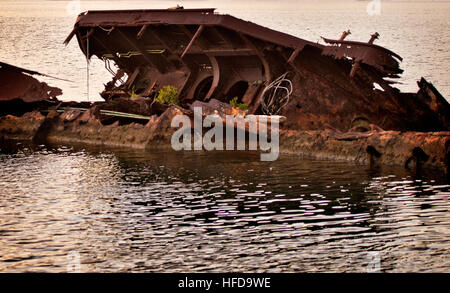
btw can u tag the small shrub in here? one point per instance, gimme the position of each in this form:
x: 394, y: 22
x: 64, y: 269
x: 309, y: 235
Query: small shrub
x: 234, y: 103
x: 168, y: 94
x: 243, y: 106
x: 133, y: 94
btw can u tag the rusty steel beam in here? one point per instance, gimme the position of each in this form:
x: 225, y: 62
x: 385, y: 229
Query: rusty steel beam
x: 70, y: 36
x: 345, y: 34
x: 200, y: 42
x: 81, y: 41
x: 154, y: 34
x: 261, y: 57
x: 142, y: 31
x: 373, y: 38
x: 194, y: 37
x: 147, y: 57
x: 132, y: 77
x: 294, y: 55
x: 220, y: 35
x: 290, y: 60
x: 111, y: 52
x: 216, y: 77
x: 186, y: 31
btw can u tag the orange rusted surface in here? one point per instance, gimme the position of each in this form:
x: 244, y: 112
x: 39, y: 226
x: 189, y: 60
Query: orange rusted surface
x: 17, y: 83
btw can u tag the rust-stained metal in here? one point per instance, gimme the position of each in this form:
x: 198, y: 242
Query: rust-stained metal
x: 207, y: 55
x: 345, y: 34
x: 18, y: 84
x: 386, y: 61
x: 194, y: 37
x: 373, y: 37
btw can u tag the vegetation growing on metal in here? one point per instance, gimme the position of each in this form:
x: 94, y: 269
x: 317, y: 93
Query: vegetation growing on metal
x: 168, y: 94
x: 234, y: 103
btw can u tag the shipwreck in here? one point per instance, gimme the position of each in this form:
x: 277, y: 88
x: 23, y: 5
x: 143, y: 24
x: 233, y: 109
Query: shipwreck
x: 338, y: 98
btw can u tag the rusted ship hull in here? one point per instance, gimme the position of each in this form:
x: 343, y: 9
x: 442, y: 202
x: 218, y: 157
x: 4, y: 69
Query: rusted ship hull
x: 20, y: 92
x: 212, y: 56
x: 338, y: 98
x: 413, y: 150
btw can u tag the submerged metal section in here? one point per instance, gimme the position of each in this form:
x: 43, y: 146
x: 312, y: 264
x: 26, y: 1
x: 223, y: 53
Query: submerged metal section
x: 207, y: 56
x: 18, y: 84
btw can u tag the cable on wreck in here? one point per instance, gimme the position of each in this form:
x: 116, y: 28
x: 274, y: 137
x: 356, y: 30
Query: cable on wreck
x: 87, y: 66
x: 106, y: 30
x: 272, y: 98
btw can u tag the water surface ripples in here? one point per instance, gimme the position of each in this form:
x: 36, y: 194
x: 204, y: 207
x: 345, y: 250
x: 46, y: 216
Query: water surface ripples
x: 125, y: 210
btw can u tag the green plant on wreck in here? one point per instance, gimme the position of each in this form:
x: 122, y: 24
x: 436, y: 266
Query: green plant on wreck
x: 133, y: 94
x: 234, y: 103
x: 168, y: 94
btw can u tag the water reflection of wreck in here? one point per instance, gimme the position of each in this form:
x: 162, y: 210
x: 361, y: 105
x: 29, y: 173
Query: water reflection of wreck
x: 338, y: 98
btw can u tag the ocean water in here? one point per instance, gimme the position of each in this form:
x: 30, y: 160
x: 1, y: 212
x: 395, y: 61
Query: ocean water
x: 135, y: 211
x: 32, y: 32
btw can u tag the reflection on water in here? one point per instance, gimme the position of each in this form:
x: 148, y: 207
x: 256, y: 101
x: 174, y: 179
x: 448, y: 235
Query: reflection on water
x: 125, y: 210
